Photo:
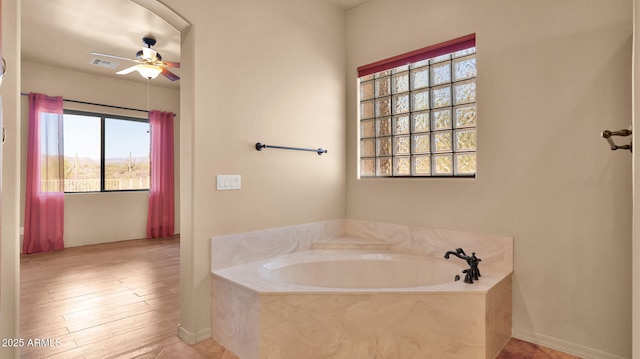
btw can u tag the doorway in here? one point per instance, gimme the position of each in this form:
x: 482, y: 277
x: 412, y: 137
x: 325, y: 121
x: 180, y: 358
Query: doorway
x: 9, y: 267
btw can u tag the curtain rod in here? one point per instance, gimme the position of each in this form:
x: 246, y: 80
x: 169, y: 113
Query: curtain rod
x: 98, y: 104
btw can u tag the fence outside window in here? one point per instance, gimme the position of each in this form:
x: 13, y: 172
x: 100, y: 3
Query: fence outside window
x: 93, y: 185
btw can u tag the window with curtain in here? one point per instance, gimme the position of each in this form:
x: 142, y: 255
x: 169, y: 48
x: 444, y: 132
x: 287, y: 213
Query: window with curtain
x: 417, y: 113
x: 105, y: 153
x: 51, y: 166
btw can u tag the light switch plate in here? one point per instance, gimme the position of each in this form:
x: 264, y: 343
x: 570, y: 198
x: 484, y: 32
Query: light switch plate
x: 228, y: 182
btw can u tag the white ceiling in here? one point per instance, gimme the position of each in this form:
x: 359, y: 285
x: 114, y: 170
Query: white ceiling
x: 63, y: 33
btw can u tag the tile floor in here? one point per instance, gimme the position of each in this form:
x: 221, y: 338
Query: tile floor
x: 519, y: 349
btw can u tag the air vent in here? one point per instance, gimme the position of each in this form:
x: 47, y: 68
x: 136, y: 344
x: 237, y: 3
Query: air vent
x: 104, y: 63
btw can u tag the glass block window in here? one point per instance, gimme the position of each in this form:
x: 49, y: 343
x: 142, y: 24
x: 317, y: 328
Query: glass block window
x: 419, y: 119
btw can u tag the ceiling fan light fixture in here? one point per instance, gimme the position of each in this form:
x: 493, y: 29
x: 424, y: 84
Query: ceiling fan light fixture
x: 149, y: 71
x: 150, y: 63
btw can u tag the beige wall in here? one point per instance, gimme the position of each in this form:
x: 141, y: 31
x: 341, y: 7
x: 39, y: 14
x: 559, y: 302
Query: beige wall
x: 270, y: 72
x: 99, y: 217
x: 636, y: 183
x: 9, y: 232
x: 552, y: 75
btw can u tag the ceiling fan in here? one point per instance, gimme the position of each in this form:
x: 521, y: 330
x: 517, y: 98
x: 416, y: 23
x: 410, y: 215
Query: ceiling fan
x: 150, y: 63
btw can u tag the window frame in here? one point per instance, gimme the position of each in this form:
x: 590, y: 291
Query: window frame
x: 371, y: 72
x: 103, y: 117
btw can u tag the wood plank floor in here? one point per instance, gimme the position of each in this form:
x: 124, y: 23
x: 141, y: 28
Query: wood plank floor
x: 121, y: 300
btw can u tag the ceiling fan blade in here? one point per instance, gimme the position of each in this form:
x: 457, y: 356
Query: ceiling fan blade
x: 113, y: 56
x: 175, y: 65
x: 170, y: 75
x: 128, y: 70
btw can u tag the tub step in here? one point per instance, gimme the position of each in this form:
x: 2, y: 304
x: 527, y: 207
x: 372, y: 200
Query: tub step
x: 349, y: 242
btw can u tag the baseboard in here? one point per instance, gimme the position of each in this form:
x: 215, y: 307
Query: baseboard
x: 193, y: 338
x: 563, y: 346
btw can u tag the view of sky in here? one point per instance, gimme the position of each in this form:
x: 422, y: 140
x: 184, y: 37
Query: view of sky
x: 82, y: 137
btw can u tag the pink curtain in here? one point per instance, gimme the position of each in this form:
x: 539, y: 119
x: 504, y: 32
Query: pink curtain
x: 160, y: 221
x: 44, y: 204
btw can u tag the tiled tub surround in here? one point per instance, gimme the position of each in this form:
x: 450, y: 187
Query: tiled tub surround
x: 261, y: 316
x: 234, y: 249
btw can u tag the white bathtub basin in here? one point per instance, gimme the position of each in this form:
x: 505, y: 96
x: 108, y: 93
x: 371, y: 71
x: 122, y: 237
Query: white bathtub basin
x: 344, y: 269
